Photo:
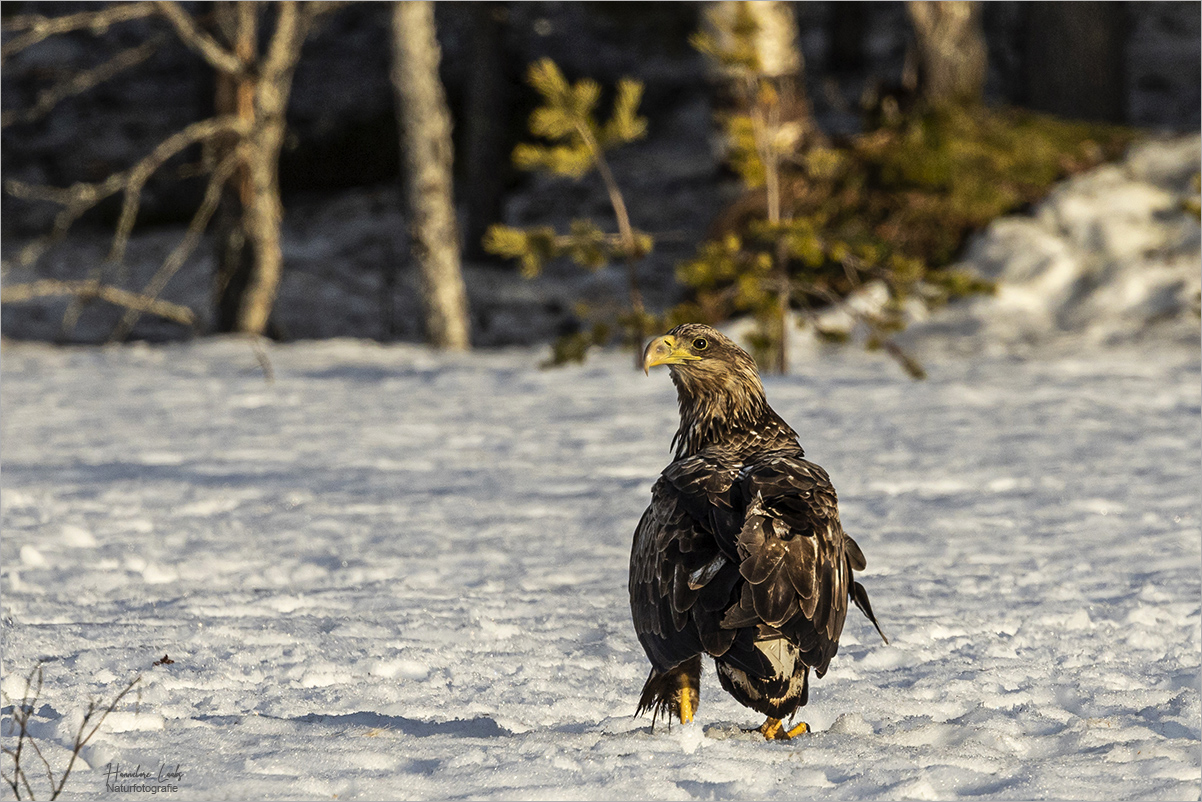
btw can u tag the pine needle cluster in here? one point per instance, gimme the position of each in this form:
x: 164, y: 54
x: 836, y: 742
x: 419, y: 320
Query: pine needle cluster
x: 573, y: 144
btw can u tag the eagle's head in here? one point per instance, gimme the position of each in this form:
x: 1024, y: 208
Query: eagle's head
x: 716, y: 381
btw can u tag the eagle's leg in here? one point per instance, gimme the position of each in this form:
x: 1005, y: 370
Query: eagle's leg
x: 686, y: 705
x: 675, y: 692
x: 688, y: 692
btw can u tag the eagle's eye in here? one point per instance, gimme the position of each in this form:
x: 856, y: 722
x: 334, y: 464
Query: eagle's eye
x: 700, y: 344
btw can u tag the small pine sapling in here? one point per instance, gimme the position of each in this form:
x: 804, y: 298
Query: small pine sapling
x: 574, y: 144
x: 786, y: 256
x: 759, y: 138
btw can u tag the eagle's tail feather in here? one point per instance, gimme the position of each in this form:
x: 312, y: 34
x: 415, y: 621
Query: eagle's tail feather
x: 860, y: 597
x: 675, y: 693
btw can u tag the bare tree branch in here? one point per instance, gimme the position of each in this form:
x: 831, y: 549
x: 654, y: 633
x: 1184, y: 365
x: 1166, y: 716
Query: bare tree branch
x: 78, y: 198
x: 90, y: 288
x: 38, y: 27
x: 175, y: 260
x: 81, y: 82
x: 141, y: 172
x: 66, y: 196
x: 290, y: 30
x: 81, y: 197
x: 258, y: 137
x: 197, y: 40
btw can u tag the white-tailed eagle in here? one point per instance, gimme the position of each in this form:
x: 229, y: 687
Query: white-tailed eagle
x: 741, y: 555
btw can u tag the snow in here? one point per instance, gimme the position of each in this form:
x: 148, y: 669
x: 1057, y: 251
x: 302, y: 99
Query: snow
x: 391, y: 573
x: 1111, y: 256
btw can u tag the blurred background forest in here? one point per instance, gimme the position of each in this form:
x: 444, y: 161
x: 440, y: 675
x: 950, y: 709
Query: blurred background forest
x: 486, y: 174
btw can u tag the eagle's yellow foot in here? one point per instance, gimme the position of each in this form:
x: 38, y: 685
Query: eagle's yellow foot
x: 773, y: 730
x: 770, y: 728
x: 800, y: 729
x: 688, y: 701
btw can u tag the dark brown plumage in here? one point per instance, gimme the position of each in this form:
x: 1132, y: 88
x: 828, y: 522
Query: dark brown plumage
x: 741, y: 555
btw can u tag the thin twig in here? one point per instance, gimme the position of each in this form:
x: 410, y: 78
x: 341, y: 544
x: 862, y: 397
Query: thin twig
x: 37, y: 750
x: 175, y: 260
x: 907, y: 362
x: 90, y: 288
x: 80, y: 197
x: 38, y: 27
x: 765, y: 126
x: 75, y: 201
x: 11, y: 782
x: 81, y: 741
x: 81, y: 82
x: 21, y: 716
x: 256, y: 344
x: 197, y: 40
x: 625, y: 233
x: 141, y: 172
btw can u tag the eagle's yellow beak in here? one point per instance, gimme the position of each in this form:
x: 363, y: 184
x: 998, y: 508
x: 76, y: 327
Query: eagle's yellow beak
x: 664, y: 351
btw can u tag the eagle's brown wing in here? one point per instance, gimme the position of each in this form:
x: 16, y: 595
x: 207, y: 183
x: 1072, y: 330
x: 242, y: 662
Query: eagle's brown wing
x: 684, y: 562
x: 728, y: 551
x: 796, y: 560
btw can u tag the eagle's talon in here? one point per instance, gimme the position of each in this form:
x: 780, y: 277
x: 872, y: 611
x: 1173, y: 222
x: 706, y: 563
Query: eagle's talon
x: 800, y: 729
x: 770, y: 729
x: 773, y: 730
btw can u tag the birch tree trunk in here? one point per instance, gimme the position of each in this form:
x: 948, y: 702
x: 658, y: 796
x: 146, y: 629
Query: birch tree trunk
x: 251, y: 260
x: 264, y: 213
x: 426, y: 158
x: 952, y: 58
x: 776, y: 55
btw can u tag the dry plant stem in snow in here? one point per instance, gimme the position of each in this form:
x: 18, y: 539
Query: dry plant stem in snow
x: 17, y: 778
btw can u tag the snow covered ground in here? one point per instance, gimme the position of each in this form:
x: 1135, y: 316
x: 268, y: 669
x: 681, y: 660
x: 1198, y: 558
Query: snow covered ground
x: 391, y: 574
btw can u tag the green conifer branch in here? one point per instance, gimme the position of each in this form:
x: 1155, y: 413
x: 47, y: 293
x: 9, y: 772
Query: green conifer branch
x: 575, y: 144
